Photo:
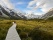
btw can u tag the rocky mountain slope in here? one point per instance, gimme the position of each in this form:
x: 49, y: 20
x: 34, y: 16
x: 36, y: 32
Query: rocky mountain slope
x: 6, y: 12
x: 48, y: 14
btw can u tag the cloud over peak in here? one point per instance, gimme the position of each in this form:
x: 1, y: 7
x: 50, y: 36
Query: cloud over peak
x: 6, y: 3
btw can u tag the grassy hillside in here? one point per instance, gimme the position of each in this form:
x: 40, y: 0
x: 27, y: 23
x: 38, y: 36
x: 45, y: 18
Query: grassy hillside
x: 29, y: 29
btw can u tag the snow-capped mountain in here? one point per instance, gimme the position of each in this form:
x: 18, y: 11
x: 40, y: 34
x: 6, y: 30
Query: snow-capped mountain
x: 48, y: 14
x: 1, y: 13
x: 4, y: 11
x: 13, y: 14
x: 21, y: 14
x: 32, y: 16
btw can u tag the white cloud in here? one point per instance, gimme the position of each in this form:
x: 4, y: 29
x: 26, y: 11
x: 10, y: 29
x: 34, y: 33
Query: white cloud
x: 38, y: 13
x: 30, y: 4
x: 6, y: 3
x: 45, y: 5
x: 32, y: 12
x: 20, y: 3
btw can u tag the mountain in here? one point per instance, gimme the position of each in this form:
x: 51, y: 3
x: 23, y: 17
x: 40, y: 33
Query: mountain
x: 50, y: 18
x: 11, y: 13
x: 48, y: 14
x: 2, y: 15
x: 32, y: 16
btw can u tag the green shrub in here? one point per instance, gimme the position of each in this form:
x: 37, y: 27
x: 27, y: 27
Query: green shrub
x: 19, y: 30
x: 23, y: 35
x: 38, y: 34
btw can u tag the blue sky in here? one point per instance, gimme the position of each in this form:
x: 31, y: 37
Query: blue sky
x: 20, y: 4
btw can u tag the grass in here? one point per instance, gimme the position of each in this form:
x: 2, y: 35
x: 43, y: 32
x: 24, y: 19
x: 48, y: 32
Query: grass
x: 4, y: 26
x: 29, y: 29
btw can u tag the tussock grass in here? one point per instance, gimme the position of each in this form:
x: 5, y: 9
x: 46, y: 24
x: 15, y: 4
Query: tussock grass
x: 26, y: 29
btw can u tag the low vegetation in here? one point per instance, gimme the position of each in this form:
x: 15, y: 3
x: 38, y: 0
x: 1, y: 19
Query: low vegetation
x: 29, y: 29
